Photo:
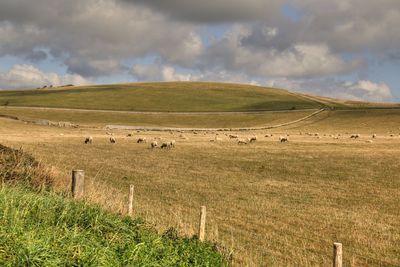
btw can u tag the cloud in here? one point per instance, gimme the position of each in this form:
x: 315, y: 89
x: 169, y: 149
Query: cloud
x: 233, y: 52
x: 359, y: 90
x: 216, y: 11
x: 233, y: 40
x: 158, y: 72
x: 93, y: 37
x: 27, y: 76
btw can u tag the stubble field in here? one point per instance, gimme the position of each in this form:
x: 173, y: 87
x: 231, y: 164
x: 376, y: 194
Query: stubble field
x: 270, y: 203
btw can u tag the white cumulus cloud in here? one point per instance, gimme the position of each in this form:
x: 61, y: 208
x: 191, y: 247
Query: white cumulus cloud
x: 22, y: 76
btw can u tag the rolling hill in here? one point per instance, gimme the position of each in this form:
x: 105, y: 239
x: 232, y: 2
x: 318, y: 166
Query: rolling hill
x: 163, y: 97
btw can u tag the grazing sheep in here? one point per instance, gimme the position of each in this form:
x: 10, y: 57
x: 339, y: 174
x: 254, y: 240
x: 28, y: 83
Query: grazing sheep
x: 283, y: 139
x: 243, y: 141
x: 112, y: 140
x: 374, y: 136
x: 89, y: 140
x: 253, y: 139
x: 172, y: 143
x: 108, y: 133
x: 154, y: 144
x: 165, y: 145
x: 141, y: 140
x: 355, y: 136
x: 129, y: 135
x: 233, y: 136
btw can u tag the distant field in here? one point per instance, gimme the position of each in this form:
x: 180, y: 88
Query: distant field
x: 172, y: 96
x: 99, y: 118
x: 383, y: 121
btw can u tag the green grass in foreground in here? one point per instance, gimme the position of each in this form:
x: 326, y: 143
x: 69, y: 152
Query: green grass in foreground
x: 49, y: 230
x: 171, y: 96
x: 45, y: 229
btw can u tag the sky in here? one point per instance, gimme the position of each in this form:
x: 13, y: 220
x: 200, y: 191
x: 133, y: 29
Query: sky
x: 345, y: 48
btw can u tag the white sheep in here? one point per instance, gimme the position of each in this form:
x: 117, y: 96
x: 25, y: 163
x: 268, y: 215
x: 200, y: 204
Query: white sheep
x: 243, y: 141
x: 172, y: 143
x: 154, y: 144
x: 141, y: 140
x: 89, y: 140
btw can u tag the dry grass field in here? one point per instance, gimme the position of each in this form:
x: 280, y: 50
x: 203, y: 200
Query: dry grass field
x: 103, y: 118
x: 270, y: 203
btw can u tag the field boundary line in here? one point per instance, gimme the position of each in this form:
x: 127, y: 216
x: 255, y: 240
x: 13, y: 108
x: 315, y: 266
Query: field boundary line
x: 149, y: 128
x: 162, y: 112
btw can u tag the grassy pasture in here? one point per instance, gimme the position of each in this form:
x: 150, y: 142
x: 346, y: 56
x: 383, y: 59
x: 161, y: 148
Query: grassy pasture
x: 273, y: 204
x: 99, y: 118
x: 171, y: 96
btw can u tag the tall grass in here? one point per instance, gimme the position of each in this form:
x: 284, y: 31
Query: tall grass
x: 46, y: 229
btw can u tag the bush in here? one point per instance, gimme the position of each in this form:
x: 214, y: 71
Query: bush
x: 19, y: 167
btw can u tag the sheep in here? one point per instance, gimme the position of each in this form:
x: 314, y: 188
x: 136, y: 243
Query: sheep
x: 165, y: 145
x: 129, y: 135
x: 253, y: 139
x: 108, y: 133
x: 267, y: 135
x: 89, y: 140
x: 355, y: 136
x: 172, y: 143
x: 283, y: 139
x: 112, y: 140
x: 154, y: 144
x: 233, y: 136
x: 141, y: 140
x: 374, y: 136
x: 243, y: 141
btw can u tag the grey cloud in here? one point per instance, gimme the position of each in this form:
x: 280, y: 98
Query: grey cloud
x: 94, y: 37
x: 36, y: 56
x: 336, y: 88
x: 216, y: 11
x: 82, y: 34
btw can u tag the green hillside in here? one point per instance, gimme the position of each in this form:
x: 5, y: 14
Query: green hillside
x: 171, y: 96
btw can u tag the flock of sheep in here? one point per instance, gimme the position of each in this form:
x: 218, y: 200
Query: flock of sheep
x: 154, y: 144
x: 240, y: 141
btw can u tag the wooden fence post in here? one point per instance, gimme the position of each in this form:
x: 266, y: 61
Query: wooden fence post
x: 78, y: 183
x: 337, y: 255
x: 202, y: 226
x: 130, y: 200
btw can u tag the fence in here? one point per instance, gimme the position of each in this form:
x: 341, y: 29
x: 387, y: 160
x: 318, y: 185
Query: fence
x: 78, y: 186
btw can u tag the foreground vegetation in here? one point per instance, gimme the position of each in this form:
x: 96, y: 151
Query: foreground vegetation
x: 47, y: 229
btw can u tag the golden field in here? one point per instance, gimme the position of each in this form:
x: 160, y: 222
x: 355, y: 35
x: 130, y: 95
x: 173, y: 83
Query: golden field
x: 270, y: 203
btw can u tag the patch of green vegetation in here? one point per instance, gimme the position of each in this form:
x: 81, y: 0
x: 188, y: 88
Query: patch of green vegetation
x: 46, y: 229
x: 166, y: 97
x: 49, y: 230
